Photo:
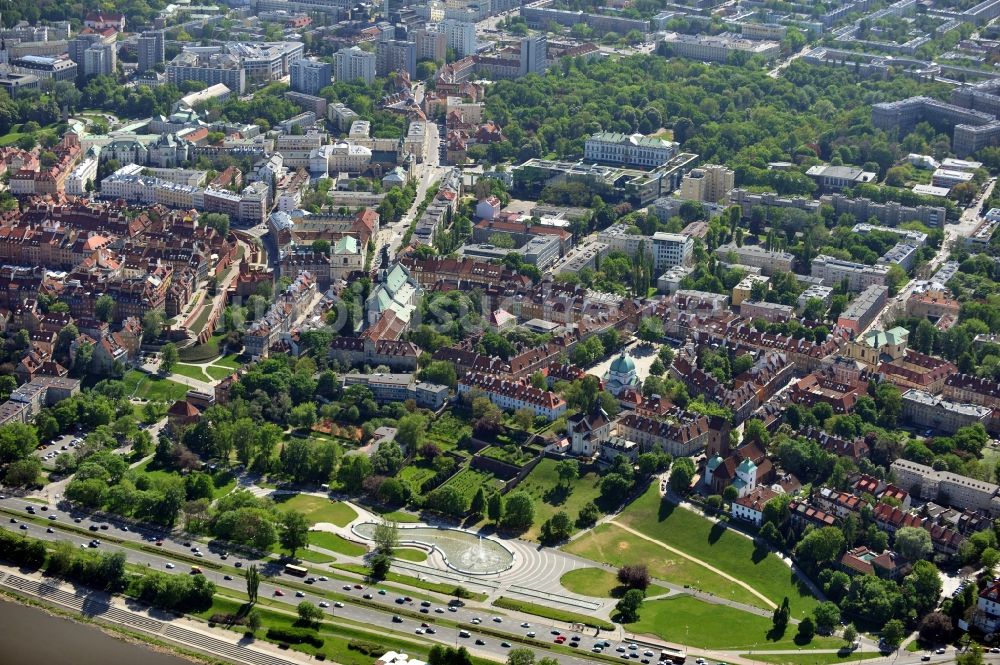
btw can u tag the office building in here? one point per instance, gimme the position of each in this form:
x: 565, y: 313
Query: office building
x: 533, y: 55
x: 710, y: 183
x: 718, y: 48
x: 152, y: 50
x: 925, y: 410
x: 835, y: 178
x: 60, y: 68
x: 309, y: 76
x: 353, y: 63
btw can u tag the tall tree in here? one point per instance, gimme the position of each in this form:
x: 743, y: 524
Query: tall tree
x: 294, y: 532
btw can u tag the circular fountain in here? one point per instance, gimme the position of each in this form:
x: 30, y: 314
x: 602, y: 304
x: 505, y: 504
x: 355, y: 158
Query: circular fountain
x: 461, y: 550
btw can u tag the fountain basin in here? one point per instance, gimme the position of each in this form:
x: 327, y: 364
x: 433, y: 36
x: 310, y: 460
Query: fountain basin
x: 462, y: 551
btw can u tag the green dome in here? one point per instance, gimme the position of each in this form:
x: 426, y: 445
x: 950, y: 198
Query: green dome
x: 623, y: 365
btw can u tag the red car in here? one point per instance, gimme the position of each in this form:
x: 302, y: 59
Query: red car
x: 559, y: 640
x: 279, y: 592
x: 159, y: 543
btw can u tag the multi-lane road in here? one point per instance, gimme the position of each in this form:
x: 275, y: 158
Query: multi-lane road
x: 360, y: 603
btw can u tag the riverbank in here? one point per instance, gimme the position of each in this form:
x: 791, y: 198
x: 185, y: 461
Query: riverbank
x: 35, y: 634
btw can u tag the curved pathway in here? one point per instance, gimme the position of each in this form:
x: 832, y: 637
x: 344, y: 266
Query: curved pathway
x: 767, y: 601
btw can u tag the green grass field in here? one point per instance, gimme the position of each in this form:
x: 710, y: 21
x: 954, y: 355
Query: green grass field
x: 401, y: 517
x: 318, y: 509
x: 200, y: 353
x: 410, y: 554
x: 551, y: 613
x: 468, y: 481
x: 694, y: 622
x: 448, y: 430
x: 308, y: 555
x: 808, y: 658
x: 730, y: 552
x: 147, y: 386
x: 599, y: 583
x: 415, y: 475
x: 218, y: 373
x: 336, y: 543
x: 550, y: 497
x: 611, y: 544
x: 190, y: 371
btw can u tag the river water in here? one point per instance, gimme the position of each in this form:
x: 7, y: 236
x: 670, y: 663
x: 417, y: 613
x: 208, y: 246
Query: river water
x: 30, y: 635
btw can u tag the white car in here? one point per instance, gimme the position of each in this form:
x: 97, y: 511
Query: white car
x: 338, y: 604
x: 324, y: 604
x: 170, y: 566
x: 525, y: 625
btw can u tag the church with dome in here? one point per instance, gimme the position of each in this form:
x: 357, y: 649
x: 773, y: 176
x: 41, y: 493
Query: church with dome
x: 621, y: 375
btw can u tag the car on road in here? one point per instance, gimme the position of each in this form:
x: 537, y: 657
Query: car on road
x: 321, y: 578
x: 559, y: 640
x: 425, y: 603
x: 647, y: 654
x: 424, y: 610
x: 358, y: 586
x: 311, y: 580
x: 52, y: 517
x: 452, y: 608
x: 381, y: 592
x: 299, y: 594
x: 554, y: 632
x: 323, y: 603
x: 13, y: 521
x: 505, y: 645
x: 438, y: 610
x: 338, y: 604
x: 93, y: 527
x: 170, y: 566
x: 525, y: 625
x: 397, y: 619
x: 368, y: 596
x: 400, y: 601
x: 430, y: 631
x: 633, y: 647
x: 497, y: 620
x: 419, y: 631
x: 279, y: 592
x: 104, y: 527
x: 24, y: 527
x: 480, y: 642
x: 925, y: 657
x: 530, y: 633
x: 620, y: 649
x: 227, y: 577
x: 476, y: 620
x: 239, y: 564
x: 347, y: 587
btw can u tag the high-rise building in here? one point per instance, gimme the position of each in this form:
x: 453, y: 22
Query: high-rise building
x: 533, y: 57
x: 100, y: 60
x: 461, y: 36
x: 151, y: 50
x: 393, y: 55
x: 431, y: 43
x: 354, y: 63
x: 310, y: 76
x: 709, y: 183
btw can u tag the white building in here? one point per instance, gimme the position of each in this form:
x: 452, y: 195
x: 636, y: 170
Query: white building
x: 461, y: 36
x: 671, y: 249
x: 750, y: 508
x: 76, y: 181
x: 858, y: 275
x: 354, y: 63
x: 630, y: 150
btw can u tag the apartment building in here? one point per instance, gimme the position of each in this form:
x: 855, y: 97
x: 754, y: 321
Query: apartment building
x: 815, y: 291
x: 925, y: 410
x: 630, y: 150
x: 152, y: 50
x: 681, y: 435
x: 461, y: 36
x: 309, y: 76
x: 431, y: 42
x: 744, y: 288
x: 513, y: 395
x: 393, y: 55
x: 351, y: 64
x: 946, y: 487
x: 972, y: 389
x: 767, y: 311
x: 711, y: 183
x: 858, y: 275
x: 769, y: 261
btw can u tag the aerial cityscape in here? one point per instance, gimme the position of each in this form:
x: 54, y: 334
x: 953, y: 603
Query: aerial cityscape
x: 459, y: 332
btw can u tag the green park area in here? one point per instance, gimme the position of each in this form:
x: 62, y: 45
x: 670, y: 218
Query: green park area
x: 151, y: 387
x: 336, y: 543
x: 223, y: 482
x: 317, y: 509
x: 550, y: 495
x: 410, y: 554
x: 611, y: 544
x: 811, y: 658
x: 700, y: 624
x: 721, y: 547
x: 600, y: 583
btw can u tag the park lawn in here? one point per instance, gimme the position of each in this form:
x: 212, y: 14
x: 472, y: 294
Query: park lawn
x: 551, y: 613
x: 190, y: 371
x: 336, y: 543
x: 218, y: 373
x: 199, y: 322
x: 317, y: 509
x: 550, y: 497
x: 410, y: 554
x: 401, y: 516
x: 224, y: 483
x: 714, y: 544
x: 200, y: 353
x: 230, y: 361
x: 600, y: 583
x: 151, y: 387
x: 307, y: 555
x: 687, y: 620
x: 611, y: 544
x: 808, y: 658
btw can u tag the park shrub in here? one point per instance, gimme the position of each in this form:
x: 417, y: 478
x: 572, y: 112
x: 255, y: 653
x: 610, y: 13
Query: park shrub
x: 295, y: 636
x: 366, y: 648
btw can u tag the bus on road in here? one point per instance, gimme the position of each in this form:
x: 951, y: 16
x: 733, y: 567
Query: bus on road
x: 298, y: 571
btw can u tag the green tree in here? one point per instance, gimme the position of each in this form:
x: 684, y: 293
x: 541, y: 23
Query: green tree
x: 253, y: 582
x: 628, y: 607
x: 386, y: 537
x: 478, y: 505
x: 568, y: 471
x: 807, y: 630
x: 309, y: 613
x: 23, y: 472
x: 556, y: 529
x: 168, y: 357
x: 294, y: 531
x: 378, y: 566
x: 681, y: 474
x: 253, y: 621
x: 913, y: 543
x: 827, y: 615
x: 104, y: 308
x: 519, y: 511
x: 893, y: 633
x: 495, y: 508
